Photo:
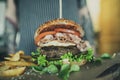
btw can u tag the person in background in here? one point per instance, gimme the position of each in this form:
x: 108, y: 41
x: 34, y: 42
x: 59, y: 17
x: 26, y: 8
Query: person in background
x: 32, y: 13
x: 11, y: 27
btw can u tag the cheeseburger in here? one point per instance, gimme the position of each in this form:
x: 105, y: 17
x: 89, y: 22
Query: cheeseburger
x: 60, y: 36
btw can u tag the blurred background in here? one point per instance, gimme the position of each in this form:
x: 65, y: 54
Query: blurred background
x: 106, y: 21
x: 105, y: 15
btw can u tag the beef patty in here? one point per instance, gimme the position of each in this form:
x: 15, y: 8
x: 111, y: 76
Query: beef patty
x: 56, y: 52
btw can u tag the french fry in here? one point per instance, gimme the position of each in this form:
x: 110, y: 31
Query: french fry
x: 15, y: 64
x: 15, y: 57
x: 18, y: 63
x: 11, y: 54
x: 18, y: 56
x: 29, y: 58
x: 1, y: 63
x: 80, y: 63
x: 3, y: 68
x: 12, y: 72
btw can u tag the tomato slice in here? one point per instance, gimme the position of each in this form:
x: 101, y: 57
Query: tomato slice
x: 42, y: 35
x: 67, y: 31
